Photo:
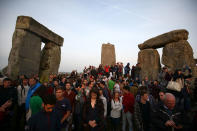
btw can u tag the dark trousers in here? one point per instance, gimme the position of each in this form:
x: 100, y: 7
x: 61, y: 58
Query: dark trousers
x: 115, y: 124
x: 21, y: 117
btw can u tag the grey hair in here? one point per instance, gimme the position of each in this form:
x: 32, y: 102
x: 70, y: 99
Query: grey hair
x: 169, y: 95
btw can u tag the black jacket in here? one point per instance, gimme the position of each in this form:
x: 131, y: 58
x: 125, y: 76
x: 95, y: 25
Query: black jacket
x: 9, y: 93
x: 162, y: 115
x: 96, y: 114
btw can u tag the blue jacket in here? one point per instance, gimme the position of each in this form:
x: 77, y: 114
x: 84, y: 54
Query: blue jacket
x: 30, y: 93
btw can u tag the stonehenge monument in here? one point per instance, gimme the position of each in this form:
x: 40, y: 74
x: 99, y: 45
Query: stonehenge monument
x: 177, y: 52
x: 162, y: 40
x: 108, y: 56
x: 150, y: 63
x: 26, y: 57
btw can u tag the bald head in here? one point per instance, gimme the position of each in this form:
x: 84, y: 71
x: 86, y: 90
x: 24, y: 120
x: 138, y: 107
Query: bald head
x: 169, y: 101
x: 169, y: 96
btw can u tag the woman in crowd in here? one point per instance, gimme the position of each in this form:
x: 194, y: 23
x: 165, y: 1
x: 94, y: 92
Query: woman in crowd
x: 116, y: 108
x: 93, y: 112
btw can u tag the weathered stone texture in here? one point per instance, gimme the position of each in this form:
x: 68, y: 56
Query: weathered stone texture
x: 177, y: 54
x: 194, y: 72
x: 50, y: 60
x: 150, y: 63
x: 162, y: 40
x: 108, y: 56
x: 24, y: 56
x: 28, y: 23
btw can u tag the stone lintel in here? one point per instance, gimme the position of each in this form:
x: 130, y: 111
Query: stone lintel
x: 28, y: 23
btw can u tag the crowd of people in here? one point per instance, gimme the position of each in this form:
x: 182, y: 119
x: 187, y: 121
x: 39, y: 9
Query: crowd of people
x: 106, y: 98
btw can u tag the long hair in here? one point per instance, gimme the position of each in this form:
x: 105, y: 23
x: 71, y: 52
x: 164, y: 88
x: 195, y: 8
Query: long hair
x: 99, y: 104
x: 96, y: 91
x: 114, y: 95
x: 99, y: 107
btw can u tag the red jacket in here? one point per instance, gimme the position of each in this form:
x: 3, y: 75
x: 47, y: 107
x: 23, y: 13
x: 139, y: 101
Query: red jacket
x: 106, y: 68
x: 128, y: 102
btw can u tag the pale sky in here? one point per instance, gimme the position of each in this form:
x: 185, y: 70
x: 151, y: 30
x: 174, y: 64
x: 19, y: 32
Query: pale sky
x: 86, y: 24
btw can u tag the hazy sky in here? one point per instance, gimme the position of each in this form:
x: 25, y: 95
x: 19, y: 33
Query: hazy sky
x: 86, y: 24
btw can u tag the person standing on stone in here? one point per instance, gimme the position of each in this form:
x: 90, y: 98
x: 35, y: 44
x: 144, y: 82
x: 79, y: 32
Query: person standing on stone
x: 120, y: 70
x: 128, y: 108
x: 133, y: 72
x: 116, y: 70
x: 106, y: 68
x: 127, y: 69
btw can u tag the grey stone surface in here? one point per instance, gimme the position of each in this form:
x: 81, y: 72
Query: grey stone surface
x: 149, y: 60
x: 194, y: 72
x: 50, y: 60
x: 177, y: 54
x: 108, y: 56
x: 195, y: 60
x: 28, y: 23
x: 163, y: 39
x: 25, y: 54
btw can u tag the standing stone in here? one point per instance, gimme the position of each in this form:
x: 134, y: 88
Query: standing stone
x: 194, y: 71
x: 149, y: 60
x: 195, y: 60
x: 108, y: 56
x: 177, y: 54
x: 163, y: 39
x: 50, y: 60
x: 24, y: 56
